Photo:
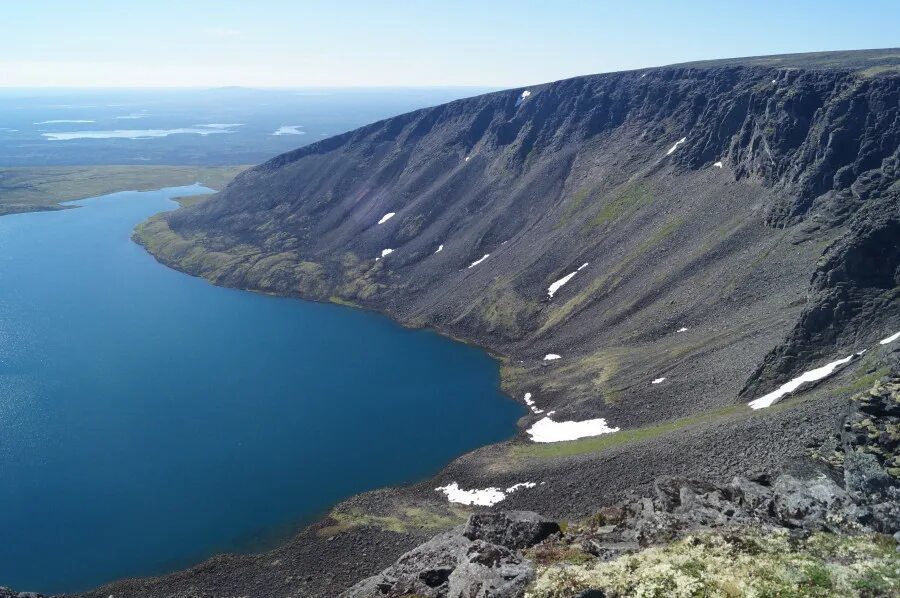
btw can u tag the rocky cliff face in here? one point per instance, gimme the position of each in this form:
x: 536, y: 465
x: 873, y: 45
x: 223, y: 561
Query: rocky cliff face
x: 753, y: 204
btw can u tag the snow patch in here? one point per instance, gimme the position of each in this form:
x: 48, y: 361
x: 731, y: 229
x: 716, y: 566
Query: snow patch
x: 547, y: 430
x: 386, y: 217
x: 682, y: 329
x: 522, y: 97
x: 530, y: 403
x: 515, y: 487
x: 718, y: 164
x: 889, y: 339
x: 467, y: 158
x: 675, y: 147
x: 552, y: 356
x: 386, y: 252
x: 478, y: 261
x: 789, y: 387
x: 658, y: 380
x: 439, y: 249
x: 551, y: 290
x: 484, y: 497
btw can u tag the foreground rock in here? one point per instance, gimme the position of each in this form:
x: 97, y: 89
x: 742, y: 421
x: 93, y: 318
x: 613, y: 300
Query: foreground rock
x: 829, y: 533
x: 785, y: 523
x: 480, y: 560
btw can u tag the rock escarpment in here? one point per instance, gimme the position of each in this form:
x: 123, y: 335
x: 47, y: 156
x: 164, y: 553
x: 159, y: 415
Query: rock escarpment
x: 752, y: 204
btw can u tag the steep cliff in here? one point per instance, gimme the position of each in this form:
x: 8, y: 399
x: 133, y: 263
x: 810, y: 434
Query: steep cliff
x: 722, y: 225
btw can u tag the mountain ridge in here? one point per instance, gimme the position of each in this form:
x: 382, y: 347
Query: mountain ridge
x: 568, y: 165
x: 719, y: 230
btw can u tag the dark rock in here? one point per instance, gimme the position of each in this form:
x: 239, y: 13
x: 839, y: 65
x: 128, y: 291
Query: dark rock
x: 512, y: 529
x: 464, y: 562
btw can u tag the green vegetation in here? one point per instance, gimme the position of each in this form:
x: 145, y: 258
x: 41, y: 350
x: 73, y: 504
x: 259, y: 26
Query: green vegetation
x: 606, y: 441
x: 874, y: 71
x: 587, y: 377
x: 862, y: 381
x: 404, y: 520
x: 192, y: 200
x: 284, y: 272
x: 611, y: 280
x: 30, y: 189
x: 341, y: 301
x: 575, y: 204
x: 626, y: 202
x: 501, y: 310
x: 732, y: 564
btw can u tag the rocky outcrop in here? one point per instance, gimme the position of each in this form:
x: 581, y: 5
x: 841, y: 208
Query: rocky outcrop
x: 855, y: 289
x: 7, y: 593
x: 483, y: 559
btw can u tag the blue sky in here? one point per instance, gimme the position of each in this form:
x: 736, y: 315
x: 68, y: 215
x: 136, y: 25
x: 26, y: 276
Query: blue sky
x: 280, y: 43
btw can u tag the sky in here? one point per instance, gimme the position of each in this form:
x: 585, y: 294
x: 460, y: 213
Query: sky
x: 314, y: 43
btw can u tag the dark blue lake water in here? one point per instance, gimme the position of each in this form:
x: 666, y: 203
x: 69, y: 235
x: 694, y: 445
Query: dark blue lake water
x: 149, y: 419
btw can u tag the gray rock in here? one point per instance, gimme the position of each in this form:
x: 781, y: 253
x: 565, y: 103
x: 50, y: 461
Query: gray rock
x: 512, y: 529
x: 464, y: 562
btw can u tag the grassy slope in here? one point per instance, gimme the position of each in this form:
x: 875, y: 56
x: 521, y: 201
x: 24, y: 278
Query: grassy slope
x: 30, y: 189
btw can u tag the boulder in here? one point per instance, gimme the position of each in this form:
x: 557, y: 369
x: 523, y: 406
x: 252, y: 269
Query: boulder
x: 512, y: 529
x: 480, y: 560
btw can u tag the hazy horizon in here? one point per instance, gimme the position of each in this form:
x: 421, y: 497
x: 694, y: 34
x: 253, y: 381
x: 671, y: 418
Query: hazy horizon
x: 285, y: 45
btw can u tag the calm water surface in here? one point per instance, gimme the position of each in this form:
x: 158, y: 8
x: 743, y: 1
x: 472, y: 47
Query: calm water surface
x: 149, y: 419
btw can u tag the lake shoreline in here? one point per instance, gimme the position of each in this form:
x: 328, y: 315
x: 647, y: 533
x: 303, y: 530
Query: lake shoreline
x: 366, y: 524
x: 469, y: 375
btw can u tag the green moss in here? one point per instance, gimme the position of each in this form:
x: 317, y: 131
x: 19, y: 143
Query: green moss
x: 342, y: 301
x: 861, y: 380
x: 628, y: 200
x: 501, y: 310
x: 192, y: 200
x: 575, y: 204
x: 404, y: 520
x: 553, y: 553
x: 874, y: 71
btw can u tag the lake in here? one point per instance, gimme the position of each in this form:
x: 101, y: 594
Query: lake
x: 149, y: 419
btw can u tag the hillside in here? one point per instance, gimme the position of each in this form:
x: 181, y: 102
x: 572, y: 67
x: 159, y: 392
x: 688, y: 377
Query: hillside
x: 583, y: 171
x: 708, y: 231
